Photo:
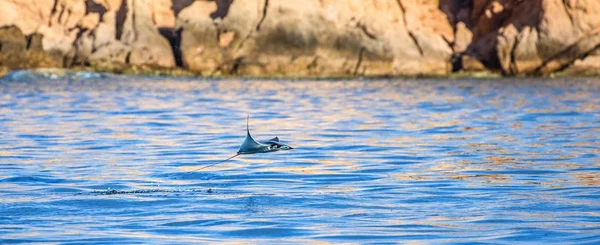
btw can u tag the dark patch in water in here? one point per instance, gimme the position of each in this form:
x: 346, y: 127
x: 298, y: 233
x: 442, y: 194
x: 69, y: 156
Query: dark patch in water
x: 118, y: 192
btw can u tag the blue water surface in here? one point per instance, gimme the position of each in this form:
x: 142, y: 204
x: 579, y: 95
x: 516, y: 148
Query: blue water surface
x: 96, y: 158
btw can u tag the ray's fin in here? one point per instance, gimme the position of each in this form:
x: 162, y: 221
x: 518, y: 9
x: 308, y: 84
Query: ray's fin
x: 276, y: 139
x: 249, y: 143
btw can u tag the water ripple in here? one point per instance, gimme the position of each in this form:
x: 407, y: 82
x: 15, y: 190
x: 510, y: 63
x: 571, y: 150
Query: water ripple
x: 99, y: 158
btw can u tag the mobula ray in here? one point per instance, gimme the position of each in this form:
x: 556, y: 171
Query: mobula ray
x: 251, y: 146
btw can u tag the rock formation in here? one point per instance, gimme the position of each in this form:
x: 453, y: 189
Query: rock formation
x: 305, y: 37
x: 533, y: 37
x: 18, y: 51
x: 308, y: 38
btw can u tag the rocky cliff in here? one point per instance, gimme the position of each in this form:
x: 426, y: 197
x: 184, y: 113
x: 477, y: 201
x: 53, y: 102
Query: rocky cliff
x: 304, y: 37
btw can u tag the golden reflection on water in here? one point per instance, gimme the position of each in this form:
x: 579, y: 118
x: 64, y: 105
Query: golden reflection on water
x: 588, y: 179
x: 413, y: 138
x: 327, y: 106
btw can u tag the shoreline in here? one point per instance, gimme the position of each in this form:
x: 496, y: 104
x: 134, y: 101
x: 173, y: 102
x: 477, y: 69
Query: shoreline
x: 300, y: 39
x: 181, y: 73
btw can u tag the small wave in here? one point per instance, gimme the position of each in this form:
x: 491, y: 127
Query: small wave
x: 32, y: 179
x: 51, y: 74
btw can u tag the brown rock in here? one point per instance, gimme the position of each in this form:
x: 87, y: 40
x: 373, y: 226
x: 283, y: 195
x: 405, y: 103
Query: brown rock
x: 18, y: 51
x: 567, y: 37
x: 83, y: 48
x: 3, y: 71
x: 301, y: 38
x: 126, y: 35
x: 470, y: 64
x: 27, y: 15
x: 162, y: 13
x: 35, y: 42
x: 12, y: 39
x: 148, y: 47
x: 306, y: 37
x: 463, y: 38
x: 534, y: 37
x: 115, y: 52
x: 90, y: 21
x: 104, y: 46
x: 589, y: 65
x: 199, y: 47
x: 13, y: 45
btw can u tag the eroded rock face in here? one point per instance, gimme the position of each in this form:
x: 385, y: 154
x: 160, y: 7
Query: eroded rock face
x: 148, y: 47
x: 127, y: 35
x: 308, y: 38
x: 312, y: 37
x: 535, y: 37
x: 93, y: 31
x: 18, y: 51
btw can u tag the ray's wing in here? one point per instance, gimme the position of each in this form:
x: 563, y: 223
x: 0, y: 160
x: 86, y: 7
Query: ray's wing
x: 276, y: 139
x: 249, y: 143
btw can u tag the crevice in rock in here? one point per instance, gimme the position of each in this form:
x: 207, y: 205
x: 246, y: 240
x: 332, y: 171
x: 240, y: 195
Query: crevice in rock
x: 448, y: 42
x: 513, y: 61
x: 363, y: 28
x: 410, y: 33
x: 452, y: 11
x: 179, y: 5
x: 241, y: 45
x: 120, y: 19
x: 127, y: 58
x: 571, y: 62
x: 79, y: 35
x: 264, y: 15
x: 224, y: 66
x: 565, y: 3
x: 66, y: 61
x: 452, y: 60
x: 313, y: 64
x: 60, y: 15
x: 403, y: 12
x: 54, y: 6
x: 133, y: 22
x: 456, y: 62
x: 96, y: 48
x: 573, y: 48
x: 218, y: 30
x: 258, y: 25
x: 236, y: 66
x: 29, y: 39
x: 581, y: 57
x: 174, y: 37
x: 93, y: 7
x: 222, y: 9
x: 452, y: 8
x: 68, y: 15
x: 414, y: 39
x: 359, y: 61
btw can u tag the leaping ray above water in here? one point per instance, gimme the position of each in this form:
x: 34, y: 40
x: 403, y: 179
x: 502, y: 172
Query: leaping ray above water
x: 251, y: 146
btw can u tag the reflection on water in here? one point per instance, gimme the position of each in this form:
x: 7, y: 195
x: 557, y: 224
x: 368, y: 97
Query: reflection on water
x: 441, y: 161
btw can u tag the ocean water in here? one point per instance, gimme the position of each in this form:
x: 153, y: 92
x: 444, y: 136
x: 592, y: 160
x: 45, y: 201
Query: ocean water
x: 96, y: 158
